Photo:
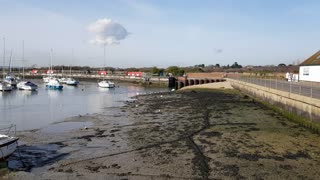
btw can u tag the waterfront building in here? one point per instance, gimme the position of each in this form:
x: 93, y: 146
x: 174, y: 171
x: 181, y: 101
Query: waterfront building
x: 309, y: 69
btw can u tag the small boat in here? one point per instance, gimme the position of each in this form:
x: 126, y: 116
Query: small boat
x: 11, y: 79
x: 27, y: 85
x: 54, y: 84
x: 62, y: 80
x: 47, y: 79
x: 8, y: 143
x: 4, y: 86
x: 106, y: 84
x: 71, y: 82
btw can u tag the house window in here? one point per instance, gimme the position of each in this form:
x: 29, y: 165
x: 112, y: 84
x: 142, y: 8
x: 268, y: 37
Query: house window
x: 306, y: 71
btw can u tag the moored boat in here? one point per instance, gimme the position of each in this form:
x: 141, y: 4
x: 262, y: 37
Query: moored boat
x: 8, y: 142
x: 54, y: 84
x: 11, y: 79
x: 4, y: 86
x: 106, y: 84
x: 27, y: 85
x: 71, y: 82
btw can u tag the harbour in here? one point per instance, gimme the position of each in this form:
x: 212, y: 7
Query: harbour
x: 160, y: 90
x: 172, y: 135
x: 35, y: 109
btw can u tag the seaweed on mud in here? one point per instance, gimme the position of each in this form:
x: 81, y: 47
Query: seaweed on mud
x: 285, y: 167
x: 211, y: 134
x: 204, y: 141
x: 231, y: 152
x: 230, y: 170
x: 252, y: 129
x: 114, y: 130
x: 249, y: 157
x: 299, y: 154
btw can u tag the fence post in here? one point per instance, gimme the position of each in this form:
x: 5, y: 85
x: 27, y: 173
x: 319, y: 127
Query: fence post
x: 290, y: 87
x: 311, y: 90
x: 300, y: 90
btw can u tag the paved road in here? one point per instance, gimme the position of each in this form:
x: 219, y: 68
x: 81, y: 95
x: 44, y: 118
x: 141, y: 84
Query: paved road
x: 312, y: 90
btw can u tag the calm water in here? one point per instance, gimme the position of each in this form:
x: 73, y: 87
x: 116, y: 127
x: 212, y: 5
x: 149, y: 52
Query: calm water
x: 32, y: 110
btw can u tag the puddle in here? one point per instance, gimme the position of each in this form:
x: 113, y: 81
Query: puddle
x: 65, y: 127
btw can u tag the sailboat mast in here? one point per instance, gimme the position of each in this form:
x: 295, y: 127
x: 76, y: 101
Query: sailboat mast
x: 104, y: 57
x: 10, y: 61
x: 50, y: 69
x: 4, y: 57
x: 23, y: 60
x: 71, y: 60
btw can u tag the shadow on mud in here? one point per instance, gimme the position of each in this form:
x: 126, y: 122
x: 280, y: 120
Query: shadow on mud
x: 27, y: 157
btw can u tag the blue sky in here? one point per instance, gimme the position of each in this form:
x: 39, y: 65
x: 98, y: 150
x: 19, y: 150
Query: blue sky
x: 163, y: 32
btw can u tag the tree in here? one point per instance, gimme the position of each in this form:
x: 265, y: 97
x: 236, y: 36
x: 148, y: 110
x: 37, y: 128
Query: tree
x: 175, y: 70
x: 282, y: 65
x: 155, y: 70
x: 217, y: 65
x: 236, y: 65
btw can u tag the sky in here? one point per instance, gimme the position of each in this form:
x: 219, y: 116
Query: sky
x: 159, y: 33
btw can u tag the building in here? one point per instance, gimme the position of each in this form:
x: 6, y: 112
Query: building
x: 309, y: 70
x: 102, y: 72
x: 135, y: 74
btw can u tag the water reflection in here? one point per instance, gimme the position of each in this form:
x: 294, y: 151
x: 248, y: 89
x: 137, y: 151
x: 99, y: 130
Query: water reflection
x: 35, y: 109
x: 26, y: 93
x: 54, y: 93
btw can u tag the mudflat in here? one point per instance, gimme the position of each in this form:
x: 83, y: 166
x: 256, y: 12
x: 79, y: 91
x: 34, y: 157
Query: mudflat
x: 195, y: 134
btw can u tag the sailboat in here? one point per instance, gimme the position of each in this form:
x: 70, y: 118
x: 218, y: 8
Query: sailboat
x: 70, y: 81
x: 53, y: 82
x: 25, y: 85
x: 105, y: 83
x: 4, y: 86
x: 10, y: 77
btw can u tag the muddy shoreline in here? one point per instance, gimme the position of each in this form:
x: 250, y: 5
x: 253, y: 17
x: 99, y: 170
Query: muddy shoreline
x: 195, y: 134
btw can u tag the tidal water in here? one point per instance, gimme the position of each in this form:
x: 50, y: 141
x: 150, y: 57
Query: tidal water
x: 37, y: 109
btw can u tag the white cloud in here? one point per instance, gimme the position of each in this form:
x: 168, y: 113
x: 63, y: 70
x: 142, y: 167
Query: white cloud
x: 107, y: 32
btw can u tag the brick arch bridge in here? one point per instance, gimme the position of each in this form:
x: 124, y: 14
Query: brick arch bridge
x: 198, y: 78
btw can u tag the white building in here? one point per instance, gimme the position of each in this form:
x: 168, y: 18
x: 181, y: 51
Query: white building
x: 309, y: 70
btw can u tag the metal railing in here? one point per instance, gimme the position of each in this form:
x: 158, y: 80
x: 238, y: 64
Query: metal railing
x: 309, y: 89
x: 8, y: 129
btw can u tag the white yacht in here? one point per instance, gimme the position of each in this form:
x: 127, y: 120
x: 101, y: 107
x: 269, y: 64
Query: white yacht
x: 54, y: 84
x: 4, y: 86
x: 27, y: 85
x: 8, y: 142
x: 11, y: 79
x: 47, y: 79
x: 62, y: 80
x: 106, y: 84
x: 71, y: 81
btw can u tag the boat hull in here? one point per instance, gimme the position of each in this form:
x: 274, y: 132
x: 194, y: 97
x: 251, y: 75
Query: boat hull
x: 106, y: 85
x: 4, y: 87
x: 26, y: 86
x: 54, y: 87
x: 8, y: 148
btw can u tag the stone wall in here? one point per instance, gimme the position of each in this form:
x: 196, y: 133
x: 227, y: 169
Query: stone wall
x: 294, y: 103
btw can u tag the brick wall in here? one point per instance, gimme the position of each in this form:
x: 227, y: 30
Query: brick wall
x: 206, y: 75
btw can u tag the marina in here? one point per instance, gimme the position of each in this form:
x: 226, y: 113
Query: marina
x: 35, y: 109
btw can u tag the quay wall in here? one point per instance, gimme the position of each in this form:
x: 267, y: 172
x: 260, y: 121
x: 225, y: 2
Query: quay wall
x: 301, y: 105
